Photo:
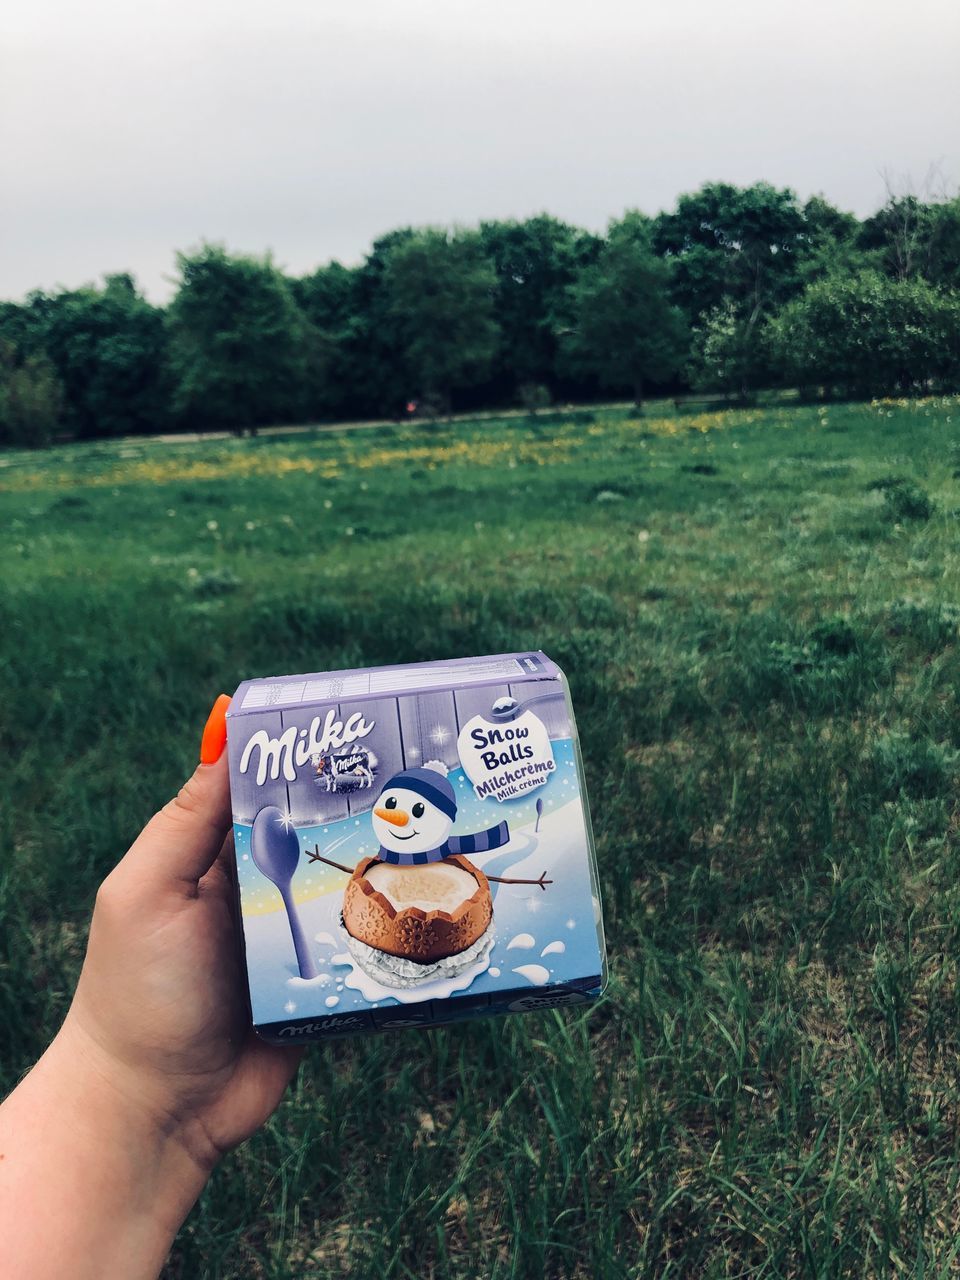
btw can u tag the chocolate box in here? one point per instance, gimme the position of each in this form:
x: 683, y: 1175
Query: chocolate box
x: 413, y: 846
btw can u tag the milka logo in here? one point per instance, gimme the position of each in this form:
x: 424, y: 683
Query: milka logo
x: 341, y: 1024
x: 296, y: 746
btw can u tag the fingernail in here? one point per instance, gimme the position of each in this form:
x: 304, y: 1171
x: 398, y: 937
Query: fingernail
x: 215, y: 731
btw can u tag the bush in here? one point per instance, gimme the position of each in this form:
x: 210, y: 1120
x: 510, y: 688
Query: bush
x: 728, y: 352
x: 534, y: 395
x: 908, y: 502
x: 933, y: 624
x: 867, y: 335
x: 215, y: 582
x: 903, y: 500
x: 911, y: 767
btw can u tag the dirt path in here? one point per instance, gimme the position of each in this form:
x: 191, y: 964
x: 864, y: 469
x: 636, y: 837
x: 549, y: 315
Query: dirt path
x: 194, y: 437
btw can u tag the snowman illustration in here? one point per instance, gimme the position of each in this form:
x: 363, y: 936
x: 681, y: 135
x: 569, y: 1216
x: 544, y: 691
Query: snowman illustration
x: 419, y: 909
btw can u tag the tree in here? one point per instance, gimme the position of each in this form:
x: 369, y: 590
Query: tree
x: 439, y: 289
x: 738, y: 244
x: 831, y: 244
x: 897, y: 235
x: 739, y: 252
x: 627, y: 330
x: 911, y: 237
x: 238, y: 342
x: 942, y: 260
x: 328, y: 300
x: 869, y: 335
x: 536, y: 261
x: 108, y: 347
x: 20, y: 326
x: 357, y: 364
x: 373, y: 346
x: 31, y: 397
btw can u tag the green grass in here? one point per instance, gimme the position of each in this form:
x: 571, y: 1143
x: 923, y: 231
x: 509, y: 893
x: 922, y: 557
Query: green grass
x: 758, y: 612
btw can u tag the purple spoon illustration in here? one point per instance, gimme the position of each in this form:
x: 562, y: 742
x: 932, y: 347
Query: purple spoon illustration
x: 507, y: 708
x: 539, y: 812
x: 275, y: 849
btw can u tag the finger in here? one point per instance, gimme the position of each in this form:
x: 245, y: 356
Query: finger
x: 225, y: 862
x: 214, y: 737
x: 222, y: 876
x: 181, y: 843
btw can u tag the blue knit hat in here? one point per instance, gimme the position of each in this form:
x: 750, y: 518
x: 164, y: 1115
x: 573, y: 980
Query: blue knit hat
x: 429, y: 783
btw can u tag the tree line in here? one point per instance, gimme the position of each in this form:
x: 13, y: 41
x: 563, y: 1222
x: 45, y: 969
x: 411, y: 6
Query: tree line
x: 735, y: 289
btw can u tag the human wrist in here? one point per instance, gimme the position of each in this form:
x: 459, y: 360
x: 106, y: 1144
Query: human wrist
x: 128, y: 1101
x: 123, y: 1177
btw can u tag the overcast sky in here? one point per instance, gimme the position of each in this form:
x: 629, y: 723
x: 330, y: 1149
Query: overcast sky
x: 131, y: 128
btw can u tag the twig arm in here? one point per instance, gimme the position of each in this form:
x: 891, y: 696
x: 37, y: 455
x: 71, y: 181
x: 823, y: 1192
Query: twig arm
x: 542, y: 882
x: 317, y: 856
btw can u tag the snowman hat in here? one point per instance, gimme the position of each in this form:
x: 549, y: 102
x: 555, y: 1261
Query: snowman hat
x: 429, y: 783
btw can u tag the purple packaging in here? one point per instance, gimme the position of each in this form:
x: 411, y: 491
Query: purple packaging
x: 413, y: 846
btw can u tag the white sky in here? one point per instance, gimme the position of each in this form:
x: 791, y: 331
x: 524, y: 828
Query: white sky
x: 131, y: 128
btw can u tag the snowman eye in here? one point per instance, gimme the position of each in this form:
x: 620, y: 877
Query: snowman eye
x: 390, y: 802
x: 417, y: 810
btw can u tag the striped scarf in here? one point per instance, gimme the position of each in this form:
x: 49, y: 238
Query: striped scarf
x: 479, y: 842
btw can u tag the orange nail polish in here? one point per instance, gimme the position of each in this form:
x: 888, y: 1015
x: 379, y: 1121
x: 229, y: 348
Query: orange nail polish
x: 215, y: 731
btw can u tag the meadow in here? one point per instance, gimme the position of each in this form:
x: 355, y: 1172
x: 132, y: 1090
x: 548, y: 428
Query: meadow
x: 759, y: 613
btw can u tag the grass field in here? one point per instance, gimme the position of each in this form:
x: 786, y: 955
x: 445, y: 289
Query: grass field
x: 759, y: 614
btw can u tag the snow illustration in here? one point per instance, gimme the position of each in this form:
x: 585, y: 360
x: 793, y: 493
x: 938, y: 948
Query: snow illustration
x: 418, y: 911
x: 515, y: 895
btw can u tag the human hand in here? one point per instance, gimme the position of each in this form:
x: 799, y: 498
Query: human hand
x: 160, y: 1009
x: 155, y: 1073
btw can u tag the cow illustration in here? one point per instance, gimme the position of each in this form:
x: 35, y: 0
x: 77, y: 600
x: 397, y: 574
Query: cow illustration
x: 346, y: 771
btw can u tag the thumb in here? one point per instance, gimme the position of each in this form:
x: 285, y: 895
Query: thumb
x: 180, y: 844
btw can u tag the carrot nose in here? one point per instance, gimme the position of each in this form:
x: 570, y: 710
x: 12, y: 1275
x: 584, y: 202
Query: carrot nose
x: 395, y: 816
